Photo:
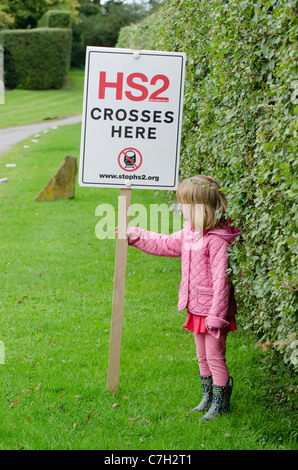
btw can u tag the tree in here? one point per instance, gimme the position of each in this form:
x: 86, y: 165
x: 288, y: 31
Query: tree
x: 154, y: 5
x: 26, y: 13
x: 5, y: 18
x: 100, y: 25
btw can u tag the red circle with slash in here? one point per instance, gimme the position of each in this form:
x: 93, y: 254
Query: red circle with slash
x: 130, y: 159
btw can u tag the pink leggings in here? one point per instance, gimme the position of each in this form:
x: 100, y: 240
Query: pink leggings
x: 211, y: 357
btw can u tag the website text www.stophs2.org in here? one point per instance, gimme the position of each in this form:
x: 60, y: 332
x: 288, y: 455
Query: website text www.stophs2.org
x: 130, y: 177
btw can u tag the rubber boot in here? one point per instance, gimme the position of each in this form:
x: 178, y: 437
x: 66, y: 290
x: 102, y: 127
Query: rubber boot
x: 204, y: 405
x: 220, y: 402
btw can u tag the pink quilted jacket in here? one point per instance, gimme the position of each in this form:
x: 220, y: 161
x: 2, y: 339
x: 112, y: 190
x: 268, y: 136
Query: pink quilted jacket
x: 204, y: 288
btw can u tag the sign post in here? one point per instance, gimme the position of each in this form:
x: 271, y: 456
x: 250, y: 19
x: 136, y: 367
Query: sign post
x: 131, y: 128
x: 119, y: 288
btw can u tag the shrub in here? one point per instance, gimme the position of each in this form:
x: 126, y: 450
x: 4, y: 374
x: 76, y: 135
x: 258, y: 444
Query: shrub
x: 55, y: 19
x: 240, y: 125
x: 37, y: 58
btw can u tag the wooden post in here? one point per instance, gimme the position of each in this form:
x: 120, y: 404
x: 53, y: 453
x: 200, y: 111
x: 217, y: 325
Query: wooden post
x: 119, y: 286
x: 119, y: 289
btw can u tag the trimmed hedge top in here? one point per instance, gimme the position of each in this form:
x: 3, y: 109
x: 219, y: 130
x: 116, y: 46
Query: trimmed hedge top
x: 55, y: 19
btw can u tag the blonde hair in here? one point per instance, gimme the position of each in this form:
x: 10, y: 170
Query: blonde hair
x: 204, y: 190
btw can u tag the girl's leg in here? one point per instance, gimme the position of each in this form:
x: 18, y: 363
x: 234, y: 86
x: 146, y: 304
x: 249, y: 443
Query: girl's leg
x: 215, y: 355
x: 205, y: 375
x: 201, y: 354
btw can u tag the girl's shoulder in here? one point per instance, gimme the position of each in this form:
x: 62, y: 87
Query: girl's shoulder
x: 226, y: 234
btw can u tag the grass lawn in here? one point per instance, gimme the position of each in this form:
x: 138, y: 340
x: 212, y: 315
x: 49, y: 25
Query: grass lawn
x: 55, y: 314
x: 29, y: 106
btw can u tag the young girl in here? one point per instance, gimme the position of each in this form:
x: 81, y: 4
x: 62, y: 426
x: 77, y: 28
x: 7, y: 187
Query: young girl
x: 204, y: 289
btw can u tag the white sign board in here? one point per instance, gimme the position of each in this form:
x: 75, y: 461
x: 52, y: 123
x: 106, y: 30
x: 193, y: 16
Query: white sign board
x: 132, y: 116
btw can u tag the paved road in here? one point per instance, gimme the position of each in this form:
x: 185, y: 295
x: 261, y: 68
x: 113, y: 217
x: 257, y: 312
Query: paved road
x: 12, y: 135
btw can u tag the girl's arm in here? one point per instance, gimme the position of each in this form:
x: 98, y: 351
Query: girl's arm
x: 219, y: 262
x: 155, y: 243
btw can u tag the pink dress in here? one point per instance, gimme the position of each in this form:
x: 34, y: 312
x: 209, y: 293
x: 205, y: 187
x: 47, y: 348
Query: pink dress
x: 196, y: 323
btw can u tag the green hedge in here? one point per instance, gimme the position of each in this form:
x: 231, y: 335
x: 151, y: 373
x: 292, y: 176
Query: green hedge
x: 36, y: 58
x: 240, y: 125
x: 143, y: 34
x: 55, y: 19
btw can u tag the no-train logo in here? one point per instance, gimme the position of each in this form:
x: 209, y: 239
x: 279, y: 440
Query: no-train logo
x: 130, y: 159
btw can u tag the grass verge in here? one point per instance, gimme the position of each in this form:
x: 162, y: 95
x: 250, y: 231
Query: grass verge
x: 55, y: 312
x: 30, y: 106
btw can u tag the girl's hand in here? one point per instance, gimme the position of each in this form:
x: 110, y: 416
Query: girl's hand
x: 129, y: 232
